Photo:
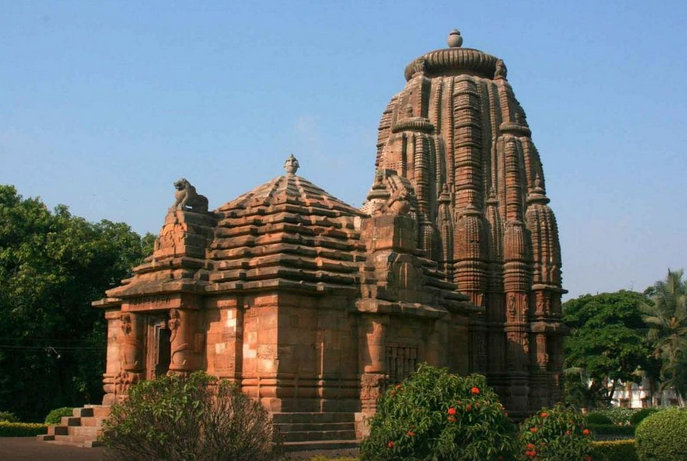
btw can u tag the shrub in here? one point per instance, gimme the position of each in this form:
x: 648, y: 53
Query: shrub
x: 8, y: 416
x: 8, y: 429
x: 554, y: 434
x: 184, y: 418
x: 612, y: 430
x: 639, y: 416
x: 661, y: 436
x: 615, y: 450
x: 55, y: 416
x: 598, y: 418
x: 619, y: 415
x: 437, y: 415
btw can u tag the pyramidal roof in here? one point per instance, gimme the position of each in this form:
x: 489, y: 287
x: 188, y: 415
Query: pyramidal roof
x: 286, y: 232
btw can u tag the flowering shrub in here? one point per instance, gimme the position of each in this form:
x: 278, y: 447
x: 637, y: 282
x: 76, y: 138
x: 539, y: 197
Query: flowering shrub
x: 437, y: 415
x: 555, y: 434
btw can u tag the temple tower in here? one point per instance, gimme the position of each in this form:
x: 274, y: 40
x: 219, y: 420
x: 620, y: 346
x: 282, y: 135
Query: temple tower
x: 458, y: 134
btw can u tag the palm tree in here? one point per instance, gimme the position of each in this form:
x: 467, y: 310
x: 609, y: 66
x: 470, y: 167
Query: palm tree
x: 667, y: 322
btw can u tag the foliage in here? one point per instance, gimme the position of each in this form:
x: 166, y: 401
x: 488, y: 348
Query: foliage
x: 619, y: 415
x: 639, y: 415
x: 666, y: 316
x: 196, y: 417
x: 661, y: 436
x: 8, y: 416
x: 55, y: 416
x: 8, y: 429
x: 607, y: 344
x: 596, y: 417
x: 436, y: 415
x: 554, y: 434
x: 612, y: 430
x: 614, y: 450
x: 52, y: 265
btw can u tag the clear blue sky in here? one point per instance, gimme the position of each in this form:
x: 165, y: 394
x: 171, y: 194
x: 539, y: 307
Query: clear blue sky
x: 104, y: 104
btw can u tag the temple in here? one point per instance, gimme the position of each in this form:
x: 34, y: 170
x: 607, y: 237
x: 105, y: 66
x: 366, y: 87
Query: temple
x: 314, y: 306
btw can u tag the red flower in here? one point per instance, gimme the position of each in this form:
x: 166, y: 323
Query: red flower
x: 531, y: 453
x: 530, y: 446
x: 567, y: 432
x: 452, y: 419
x: 544, y: 414
x: 411, y: 433
x: 451, y: 411
x: 533, y: 429
x: 398, y: 386
x: 585, y: 432
x: 588, y: 458
x: 475, y: 390
x: 390, y: 444
x: 468, y: 407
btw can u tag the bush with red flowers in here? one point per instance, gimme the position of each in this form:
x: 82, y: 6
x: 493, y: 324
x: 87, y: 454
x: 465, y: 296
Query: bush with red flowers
x: 438, y: 415
x: 554, y: 434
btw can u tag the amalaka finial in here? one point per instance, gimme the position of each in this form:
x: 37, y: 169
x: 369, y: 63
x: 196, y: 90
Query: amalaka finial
x: 291, y: 165
x: 455, y: 40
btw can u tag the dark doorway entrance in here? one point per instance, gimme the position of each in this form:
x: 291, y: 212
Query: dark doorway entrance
x: 159, y: 347
x: 164, y: 351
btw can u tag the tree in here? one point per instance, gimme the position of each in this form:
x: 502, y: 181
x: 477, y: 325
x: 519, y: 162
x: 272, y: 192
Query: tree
x: 607, y: 343
x: 666, y: 316
x: 52, y: 265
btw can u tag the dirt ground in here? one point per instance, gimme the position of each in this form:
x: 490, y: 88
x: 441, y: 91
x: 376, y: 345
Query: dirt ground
x: 30, y: 449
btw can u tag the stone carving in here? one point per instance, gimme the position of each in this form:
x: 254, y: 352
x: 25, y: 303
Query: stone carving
x: 399, y: 195
x: 501, y: 71
x: 187, y: 198
x: 371, y: 388
x: 291, y: 165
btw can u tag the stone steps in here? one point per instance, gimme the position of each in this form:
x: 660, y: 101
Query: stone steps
x: 307, y: 431
x: 321, y: 445
x: 82, y: 429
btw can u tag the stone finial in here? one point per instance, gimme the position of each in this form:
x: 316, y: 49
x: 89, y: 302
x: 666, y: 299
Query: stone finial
x: 455, y: 40
x: 291, y: 165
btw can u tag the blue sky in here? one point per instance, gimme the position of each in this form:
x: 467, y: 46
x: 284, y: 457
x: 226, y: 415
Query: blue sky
x: 103, y: 105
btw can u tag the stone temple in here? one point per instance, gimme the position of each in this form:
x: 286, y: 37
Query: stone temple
x: 314, y: 306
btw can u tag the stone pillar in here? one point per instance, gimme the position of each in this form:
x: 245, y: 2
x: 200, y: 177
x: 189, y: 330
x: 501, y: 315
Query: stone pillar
x: 114, y: 355
x: 371, y: 360
x: 182, y: 323
x: 132, y: 363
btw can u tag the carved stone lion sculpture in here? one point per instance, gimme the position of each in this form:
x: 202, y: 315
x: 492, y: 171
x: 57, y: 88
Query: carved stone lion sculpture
x: 187, y: 198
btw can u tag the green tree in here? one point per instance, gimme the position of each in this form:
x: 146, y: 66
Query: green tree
x: 666, y: 316
x: 607, y: 344
x: 52, y: 265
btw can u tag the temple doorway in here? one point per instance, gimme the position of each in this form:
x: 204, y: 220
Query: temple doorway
x: 159, y: 350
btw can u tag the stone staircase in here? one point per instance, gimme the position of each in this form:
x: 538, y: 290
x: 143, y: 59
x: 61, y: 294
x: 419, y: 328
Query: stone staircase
x: 82, y: 429
x: 316, y: 431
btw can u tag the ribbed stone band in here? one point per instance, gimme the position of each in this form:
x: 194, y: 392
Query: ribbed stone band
x: 453, y: 61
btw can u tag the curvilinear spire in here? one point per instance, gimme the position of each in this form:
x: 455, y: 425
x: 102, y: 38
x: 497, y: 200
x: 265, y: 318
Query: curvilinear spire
x: 458, y: 134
